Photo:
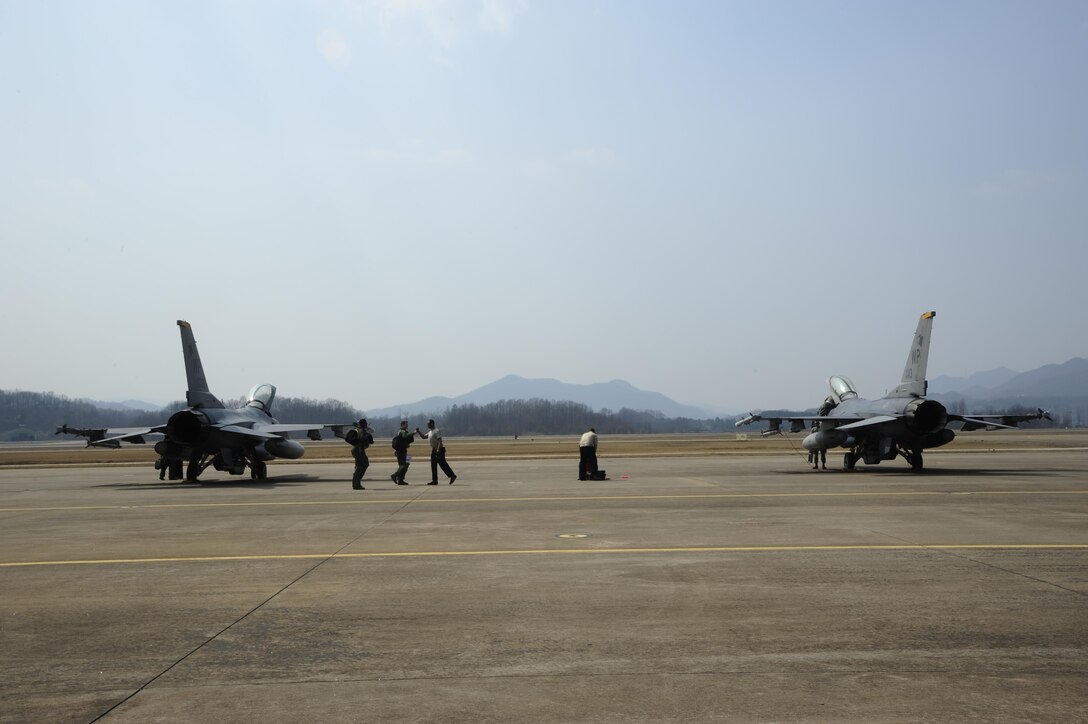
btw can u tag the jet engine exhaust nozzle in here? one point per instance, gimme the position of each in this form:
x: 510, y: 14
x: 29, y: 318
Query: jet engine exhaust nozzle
x: 185, y: 426
x: 926, y: 416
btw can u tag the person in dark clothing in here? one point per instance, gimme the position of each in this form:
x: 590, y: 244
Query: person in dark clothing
x: 816, y: 457
x: 587, y: 455
x: 173, y: 468
x: 401, y: 441
x: 364, y: 438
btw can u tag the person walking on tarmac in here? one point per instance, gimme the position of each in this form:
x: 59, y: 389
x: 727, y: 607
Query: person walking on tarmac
x: 401, y: 441
x: 438, y: 453
x: 361, y: 437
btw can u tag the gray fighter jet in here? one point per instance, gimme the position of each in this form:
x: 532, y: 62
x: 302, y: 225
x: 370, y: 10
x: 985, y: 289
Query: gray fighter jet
x: 902, y: 423
x: 209, y: 434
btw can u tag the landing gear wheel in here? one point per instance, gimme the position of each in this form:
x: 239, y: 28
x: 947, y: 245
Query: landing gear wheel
x: 196, y: 461
x: 848, y: 461
x: 258, y: 470
x: 915, y: 461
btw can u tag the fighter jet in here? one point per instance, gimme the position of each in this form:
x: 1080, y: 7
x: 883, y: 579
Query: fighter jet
x: 902, y: 423
x: 209, y: 434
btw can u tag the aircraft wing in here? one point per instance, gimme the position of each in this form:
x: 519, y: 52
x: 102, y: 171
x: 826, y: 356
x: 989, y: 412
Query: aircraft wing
x: 797, y: 422
x: 281, y: 428
x: 111, y: 436
x: 867, y: 422
x: 313, y: 431
x: 969, y: 422
x: 249, y: 431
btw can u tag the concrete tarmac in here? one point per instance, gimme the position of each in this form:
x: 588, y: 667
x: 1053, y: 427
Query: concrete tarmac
x: 682, y: 589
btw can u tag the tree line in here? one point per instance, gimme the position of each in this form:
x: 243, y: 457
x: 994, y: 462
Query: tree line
x: 36, y: 415
x: 549, y: 417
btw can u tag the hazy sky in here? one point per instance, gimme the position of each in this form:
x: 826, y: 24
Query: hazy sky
x: 379, y: 200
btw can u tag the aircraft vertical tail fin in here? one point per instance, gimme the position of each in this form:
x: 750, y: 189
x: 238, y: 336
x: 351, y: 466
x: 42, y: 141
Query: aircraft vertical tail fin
x: 198, y: 394
x: 914, y: 382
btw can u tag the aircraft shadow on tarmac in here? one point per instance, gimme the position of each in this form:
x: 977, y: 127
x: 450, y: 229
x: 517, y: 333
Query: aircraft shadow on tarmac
x: 269, y: 483
x: 922, y: 475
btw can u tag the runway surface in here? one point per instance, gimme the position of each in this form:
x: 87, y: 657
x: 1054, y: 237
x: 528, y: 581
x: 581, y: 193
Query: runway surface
x: 682, y: 589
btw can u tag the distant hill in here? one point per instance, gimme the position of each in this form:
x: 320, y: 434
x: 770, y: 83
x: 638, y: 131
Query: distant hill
x: 614, y: 395
x: 1067, y: 380
x: 979, y: 380
x: 127, y: 405
x: 1060, y: 389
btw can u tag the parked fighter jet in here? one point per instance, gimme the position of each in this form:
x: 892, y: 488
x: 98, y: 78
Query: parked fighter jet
x: 207, y: 433
x: 902, y: 423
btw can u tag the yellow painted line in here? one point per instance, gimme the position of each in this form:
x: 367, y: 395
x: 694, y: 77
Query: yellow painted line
x: 555, y: 551
x: 550, y: 498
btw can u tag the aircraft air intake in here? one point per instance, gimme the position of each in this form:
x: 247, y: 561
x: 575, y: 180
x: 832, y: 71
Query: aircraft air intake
x: 926, y: 416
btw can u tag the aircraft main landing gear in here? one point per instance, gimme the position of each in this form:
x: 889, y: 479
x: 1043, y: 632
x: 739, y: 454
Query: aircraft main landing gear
x: 197, y: 465
x: 849, y: 460
x: 915, y: 460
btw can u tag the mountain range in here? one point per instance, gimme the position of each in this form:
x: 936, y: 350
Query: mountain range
x: 614, y: 395
x: 1068, y: 380
x: 1042, y: 386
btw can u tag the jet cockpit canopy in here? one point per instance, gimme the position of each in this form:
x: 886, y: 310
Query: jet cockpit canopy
x: 261, y: 397
x: 842, y: 388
